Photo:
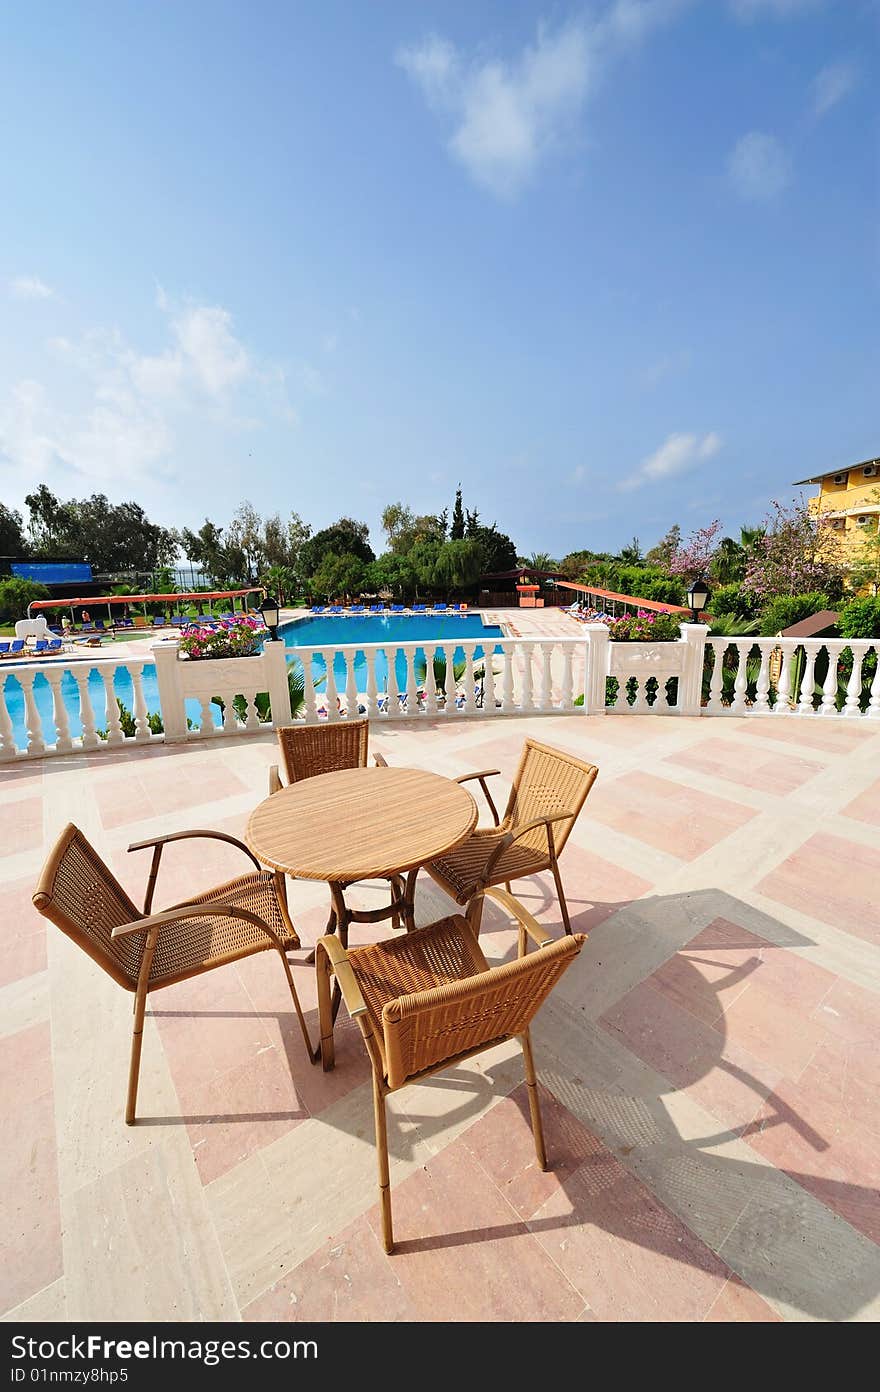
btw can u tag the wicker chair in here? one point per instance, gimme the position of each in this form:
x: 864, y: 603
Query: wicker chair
x: 307, y: 750
x: 429, y: 1000
x: 548, y: 792
x: 144, y: 951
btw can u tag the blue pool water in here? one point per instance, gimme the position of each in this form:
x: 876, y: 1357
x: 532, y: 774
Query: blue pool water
x: 393, y: 629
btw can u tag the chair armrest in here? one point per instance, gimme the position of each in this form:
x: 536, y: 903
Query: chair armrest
x: 482, y: 775
x: 380, y: 761
x: 158, y: 844
x: 539, y: 936
x: 342, y: 970
x: 274, y: 779
x: 516, y: 832
x: 186, y: 911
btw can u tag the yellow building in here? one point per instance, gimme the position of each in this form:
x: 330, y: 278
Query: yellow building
x: 850, y: 499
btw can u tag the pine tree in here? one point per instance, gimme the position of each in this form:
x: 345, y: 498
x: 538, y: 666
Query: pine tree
x: 456, y: 531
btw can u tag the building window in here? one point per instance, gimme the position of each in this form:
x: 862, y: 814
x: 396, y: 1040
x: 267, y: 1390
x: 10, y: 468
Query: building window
x: 839, y: 478
x: 869, y: 470
x: 863, y: 521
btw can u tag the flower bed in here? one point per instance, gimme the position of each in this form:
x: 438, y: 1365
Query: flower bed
x: 241, y: 636
x: 645, y: 627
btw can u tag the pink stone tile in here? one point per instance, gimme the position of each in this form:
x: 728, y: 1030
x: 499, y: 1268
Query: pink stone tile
x: 866, y: 807
x: 229, y: 1117
x: 826, y: 1149
x: 851, y: 1013
x: 671, y: 818
x: 29, y: 1207
x: 711, y: 970
x: 21, y: 825
x: 349, y: 1278
x: 726, y: 1079
x: 22, y: 934
x: 770, y: 1027
x: 595, y: 889
x: 628, y: 1256
x: 463, y: 1254
x: 503, y: 1144
x: 737, y: 1303
x: 834, y: 737
x: 221, y: 1034
x: 750, y: 767
x: 834, y: 880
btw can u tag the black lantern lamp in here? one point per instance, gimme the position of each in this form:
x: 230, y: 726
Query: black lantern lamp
x: 697, y: 598
x: 269, y: 611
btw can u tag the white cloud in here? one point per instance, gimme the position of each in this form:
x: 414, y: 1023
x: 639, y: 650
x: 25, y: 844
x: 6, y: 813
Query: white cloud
x: 776, y: 9
x: 26, y: 287
x: 127, y: 405
x: 578, y: 473
x: 759, y: 167
x: 678, y: 454
x: 832, y: 84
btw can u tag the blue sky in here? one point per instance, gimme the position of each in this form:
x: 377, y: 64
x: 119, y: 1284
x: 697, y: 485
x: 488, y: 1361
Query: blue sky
x: 611, y: 265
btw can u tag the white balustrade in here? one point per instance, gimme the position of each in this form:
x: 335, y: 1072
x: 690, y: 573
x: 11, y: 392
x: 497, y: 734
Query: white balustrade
x: 114, y: 728
x: 7, y: 732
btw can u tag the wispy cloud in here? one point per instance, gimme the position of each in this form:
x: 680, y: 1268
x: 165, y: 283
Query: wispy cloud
x: 678, y: 454
x: 28, y: 287
x: 507, y: 115
x: 127, y: 405
x: 759, y: 167
x: 832, y: 84
x: 776, y: 9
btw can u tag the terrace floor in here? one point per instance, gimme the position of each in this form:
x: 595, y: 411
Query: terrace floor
x: 710, y: 1064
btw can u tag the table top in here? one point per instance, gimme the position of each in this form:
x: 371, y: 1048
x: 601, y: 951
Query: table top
x: 360, y: 824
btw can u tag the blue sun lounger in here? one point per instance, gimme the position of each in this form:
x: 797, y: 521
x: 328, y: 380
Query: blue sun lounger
x: 440, y: 609
x: 356, y: 609
x: 420, y: 609
x: 54, y: 645
x: 398, y: 608
x: 41, y: 645
x: 159, y: 621
x: 317, y: 608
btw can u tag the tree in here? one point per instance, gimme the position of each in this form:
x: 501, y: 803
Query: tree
x: 665, y: 549
x: 246, y: 535
x: 499, y: 552
x: 459, y: 565
x: 49, y: 522
x: 798, y: 553
x: 456, y: 531
x: 392, y: 573
x: 339, y: 574
x: 345, y: 537
x: 16, y: 594
x: 12, y: 542
x: 575, y: 563
x: 540, y: 560
x: 471, y: 524
x: 693, y: 558
x: 206, y: 548
x: 280, y: 581
x: 110, y: 536
x: 631, y: 554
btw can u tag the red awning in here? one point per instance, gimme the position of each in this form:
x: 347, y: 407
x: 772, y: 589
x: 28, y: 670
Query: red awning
x: 66, y: 602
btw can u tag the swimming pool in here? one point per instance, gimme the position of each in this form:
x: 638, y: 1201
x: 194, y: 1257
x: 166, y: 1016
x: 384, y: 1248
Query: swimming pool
x: 428, y: 630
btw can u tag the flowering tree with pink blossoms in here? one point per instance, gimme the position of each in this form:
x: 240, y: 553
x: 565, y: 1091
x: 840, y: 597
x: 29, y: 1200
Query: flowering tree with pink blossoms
x: 797, y: 554
x: 692, y: 558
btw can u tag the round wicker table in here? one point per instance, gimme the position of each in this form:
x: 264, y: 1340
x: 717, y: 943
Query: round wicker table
x: 361, y: 824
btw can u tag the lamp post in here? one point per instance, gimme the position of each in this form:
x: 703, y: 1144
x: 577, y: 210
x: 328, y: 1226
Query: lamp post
x: 697, y: 598
x: 269, y: 611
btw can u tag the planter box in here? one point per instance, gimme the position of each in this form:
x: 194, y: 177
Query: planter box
x: 645, y: 660
x: 219, y: 676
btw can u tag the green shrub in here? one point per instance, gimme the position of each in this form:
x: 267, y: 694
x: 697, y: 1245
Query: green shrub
x: 785, y: 610
x: 733, y: 599
x: 860, y: 618
x: 16, y: 594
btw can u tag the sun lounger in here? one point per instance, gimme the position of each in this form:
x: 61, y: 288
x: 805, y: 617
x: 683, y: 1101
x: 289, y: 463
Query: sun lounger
x: 41, y: 645
x: 4, y: 647
x: 419, y: 609
x: 317, y: 608
x: 440, y: 609
x: 88, y: 627
x: 159, y: 621
x: 398, y: 608
x: 335, y: 609
x: 356, y: 609
x: 55, y: 645
x: 54, y: 628
x: 13, y: 649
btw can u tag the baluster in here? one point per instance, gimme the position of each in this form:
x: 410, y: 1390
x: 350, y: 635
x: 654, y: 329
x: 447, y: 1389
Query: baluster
x: 545, y: 691
x: 230, y: 715
x: 330, y: 684
x: 829, y: 686
x: 640, y: 700
x: 740, y: 685
x: 469, y: 703
x: 412, y: 691
x: 63, y: 742
x: 430, y: 704
x: 206, y: 724
x: 716, y: 682
x: 351, y: 691
x: 808, y: 681
x: 252, y: 719
x: 392, y: 698
x: 36, y: 744
x: 567, y: 689
x: 854, y: 685
x: 142, y: 731
x: 114, y: 728
x: 489, y: 707
x: 449, y: 683
x: 309, y: 701
x: 526, y: 702
x: 372, y: 692
x: 762, y: 696
x: 7, y: 734
x: 873, y: 711
x: 507, y: 681
x: 86, y: 713
x: 783, y: 691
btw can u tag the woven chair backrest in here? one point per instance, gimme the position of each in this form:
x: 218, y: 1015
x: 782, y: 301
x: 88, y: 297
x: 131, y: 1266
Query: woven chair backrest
x: 548, y: 780
x: 307, y: 750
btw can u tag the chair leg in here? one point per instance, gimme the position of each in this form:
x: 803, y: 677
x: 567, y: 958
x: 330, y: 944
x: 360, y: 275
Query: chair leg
x: 562, y: 904
x: 134, y: 1068
x: 310, y: 1049
x: 474, y: 913
x: 325, y: 1013
x: 534, y: 1102
x: 382, y: 1158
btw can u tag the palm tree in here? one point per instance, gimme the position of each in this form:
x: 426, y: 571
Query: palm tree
x: 541, y: 560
